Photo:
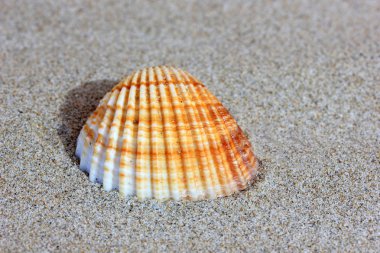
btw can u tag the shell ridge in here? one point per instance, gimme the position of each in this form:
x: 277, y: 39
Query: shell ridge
x: 94, y: 158
x: 122, y: 128
x: 215, y: 183
x: 185, y: 177
x: 168, y: 167
x: 200, y: 181
x: 143, y: 160
x: 180, y: 169
x: 226, y: 172
x: 159, y: 180
x: 148, y: 78
x: 232, y: 142
x: 238, y: 139
x: 103, y: 138
x: 233, y: 166
x: 129, y: 145
x: 226, y: 163
x: 201, y: 105
x: 247, y: 154
x: 204, y: 168
x: 98, y: 158
x: 241, y: 141
x: 211, y: 149
x: 138, y: 152
x: 188, y: 145
x: 171, y: 182
x: 224, y: 146
x: 117, y: 177
x: 89, y: 133
x: 111, y: 164
x: 119, y: 150
x: 231, y: 128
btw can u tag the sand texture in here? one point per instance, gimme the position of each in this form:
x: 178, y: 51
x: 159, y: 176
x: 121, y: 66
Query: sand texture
x: 302, y: 79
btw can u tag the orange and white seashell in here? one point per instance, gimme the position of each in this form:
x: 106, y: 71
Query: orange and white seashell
x: 161, y: 134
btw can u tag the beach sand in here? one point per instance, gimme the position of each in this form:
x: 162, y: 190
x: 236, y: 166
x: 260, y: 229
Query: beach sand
x: 301, y: 79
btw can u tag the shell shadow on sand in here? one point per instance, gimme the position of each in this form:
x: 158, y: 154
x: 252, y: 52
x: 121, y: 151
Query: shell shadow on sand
x: 79, y: 103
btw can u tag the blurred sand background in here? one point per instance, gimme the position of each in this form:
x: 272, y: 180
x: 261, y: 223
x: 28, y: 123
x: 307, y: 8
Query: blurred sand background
x: 301, y: 78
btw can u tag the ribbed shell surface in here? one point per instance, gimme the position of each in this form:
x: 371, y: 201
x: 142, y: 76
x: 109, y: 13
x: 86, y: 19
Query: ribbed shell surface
x: 161, y: 134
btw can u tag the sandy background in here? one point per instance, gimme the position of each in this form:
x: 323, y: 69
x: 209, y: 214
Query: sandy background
x: 300, y: 79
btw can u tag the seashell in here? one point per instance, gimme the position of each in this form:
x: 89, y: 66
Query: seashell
x: 161, y: 134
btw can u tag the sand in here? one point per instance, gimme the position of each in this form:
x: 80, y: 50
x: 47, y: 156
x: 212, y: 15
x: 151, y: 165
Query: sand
x: 301, y: 79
